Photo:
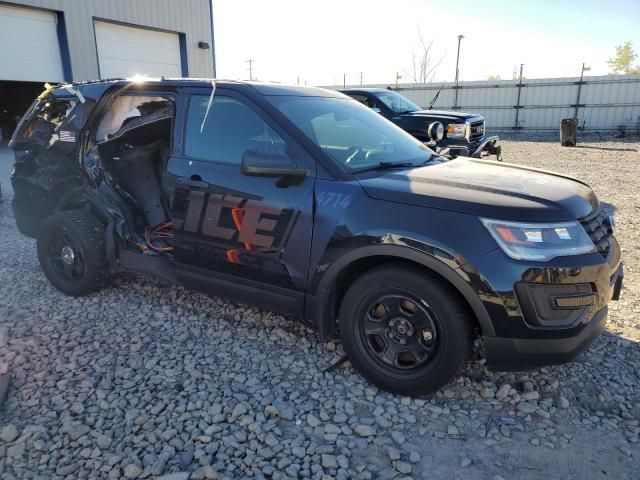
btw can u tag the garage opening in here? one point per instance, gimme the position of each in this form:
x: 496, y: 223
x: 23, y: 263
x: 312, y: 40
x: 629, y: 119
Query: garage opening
x: 30, y: 55
x: 125, y: 51
x: 15, y: 99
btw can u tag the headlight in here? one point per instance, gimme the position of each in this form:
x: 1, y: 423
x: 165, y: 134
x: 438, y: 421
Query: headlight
x: 456, y: 130
x: 539, y: 241
x: 435, y: 131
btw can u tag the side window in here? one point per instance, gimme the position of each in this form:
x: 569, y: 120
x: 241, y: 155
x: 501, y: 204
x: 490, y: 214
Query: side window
x: 223, y: 131
x: 129, y: 112
x: 46, y: 120
x: 366, y: 101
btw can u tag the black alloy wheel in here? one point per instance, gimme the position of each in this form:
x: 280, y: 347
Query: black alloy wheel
x: 71, y: 251
x: 64, y: 255
x: 400, y: 330
x: 405, y: 329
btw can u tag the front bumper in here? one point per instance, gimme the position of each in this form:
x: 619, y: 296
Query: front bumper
x: 488, y: 145
x: 544, y: 313
x: 512, y: 354
x: 484, y: 146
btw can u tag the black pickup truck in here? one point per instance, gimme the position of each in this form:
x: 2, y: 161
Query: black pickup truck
x: 304, y: 201
x: 461, y: 133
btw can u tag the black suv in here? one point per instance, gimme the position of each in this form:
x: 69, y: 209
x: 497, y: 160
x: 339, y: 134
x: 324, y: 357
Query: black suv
x: 304, y: 201
x: 461, y: 133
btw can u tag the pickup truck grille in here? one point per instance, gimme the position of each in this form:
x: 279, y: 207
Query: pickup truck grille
x: 597, y: 228
x: 476, y: 130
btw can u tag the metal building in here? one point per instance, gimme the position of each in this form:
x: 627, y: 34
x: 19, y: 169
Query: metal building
x: 63, y: 40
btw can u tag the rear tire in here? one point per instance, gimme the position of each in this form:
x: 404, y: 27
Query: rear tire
x: 405, y: 330
x: 71, y: 251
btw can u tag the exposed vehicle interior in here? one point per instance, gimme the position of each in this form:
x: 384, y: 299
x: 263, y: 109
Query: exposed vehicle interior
x: 132, y: 144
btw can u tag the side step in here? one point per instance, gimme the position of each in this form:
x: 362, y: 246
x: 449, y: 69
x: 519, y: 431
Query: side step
x: 150, y: 264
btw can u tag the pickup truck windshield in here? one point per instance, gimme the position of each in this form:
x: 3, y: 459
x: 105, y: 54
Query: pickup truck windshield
x: 350, y: 133
x: 396, y: 102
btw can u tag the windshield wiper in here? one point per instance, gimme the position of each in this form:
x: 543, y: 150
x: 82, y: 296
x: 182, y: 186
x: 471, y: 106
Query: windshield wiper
x: 402, y: 112
x: 386, y: 166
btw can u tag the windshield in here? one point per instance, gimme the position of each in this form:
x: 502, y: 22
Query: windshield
x: 396, y: 102
x: 350, y: 133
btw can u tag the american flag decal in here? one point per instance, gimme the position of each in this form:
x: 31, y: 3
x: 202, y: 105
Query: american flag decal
x: 66, y: 136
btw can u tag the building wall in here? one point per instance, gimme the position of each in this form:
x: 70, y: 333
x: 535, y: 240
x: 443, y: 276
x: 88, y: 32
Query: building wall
x: 191, y: 17
x: 606, y: 102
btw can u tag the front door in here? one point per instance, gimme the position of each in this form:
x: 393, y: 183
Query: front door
x: 247, y: 237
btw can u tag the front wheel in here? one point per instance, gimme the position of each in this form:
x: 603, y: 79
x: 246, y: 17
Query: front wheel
x: 404, y: 329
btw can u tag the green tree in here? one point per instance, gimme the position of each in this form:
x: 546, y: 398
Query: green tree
x: 494, y: 77
x: 622, y: 62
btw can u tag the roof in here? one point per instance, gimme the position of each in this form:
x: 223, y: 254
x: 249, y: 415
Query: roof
x: 364, y: 89
x: 263, y: 88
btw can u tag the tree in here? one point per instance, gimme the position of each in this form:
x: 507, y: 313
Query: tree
x: 625, y: 56
x: 494, y: 77
x: 424, y: 67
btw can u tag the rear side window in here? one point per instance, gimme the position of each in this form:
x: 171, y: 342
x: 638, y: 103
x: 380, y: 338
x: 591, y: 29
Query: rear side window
x: 222, y: 130
x: 42, y: 128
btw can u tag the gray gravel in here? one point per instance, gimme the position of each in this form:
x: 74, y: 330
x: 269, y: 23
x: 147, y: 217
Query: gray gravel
x: 140, y: 381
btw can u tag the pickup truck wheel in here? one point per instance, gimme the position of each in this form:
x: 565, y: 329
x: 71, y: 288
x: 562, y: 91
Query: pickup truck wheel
x: 71, y: 252
x: 405, y: 330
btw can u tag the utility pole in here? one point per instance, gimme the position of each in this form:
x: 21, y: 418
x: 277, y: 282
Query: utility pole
x: 250, y: 62
x: 398, y: 77
x: 455, y: 103
x: 360, y: 78
x: 344, y: 80
x: 516, y: 126
x: 584, y: 69
x: 298, y: 81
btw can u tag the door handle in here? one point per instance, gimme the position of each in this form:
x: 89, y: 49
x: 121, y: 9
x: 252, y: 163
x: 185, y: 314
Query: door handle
x: 193, y: 183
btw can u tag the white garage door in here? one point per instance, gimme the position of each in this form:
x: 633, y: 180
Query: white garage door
x: 125, y: 51
x: 29, y: 48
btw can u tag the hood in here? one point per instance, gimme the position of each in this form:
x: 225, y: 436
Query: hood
x: 485, y: 188
x: 442, y: 115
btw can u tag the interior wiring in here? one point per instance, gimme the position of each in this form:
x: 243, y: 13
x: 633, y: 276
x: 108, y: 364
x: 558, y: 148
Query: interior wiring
x: 159, y: 238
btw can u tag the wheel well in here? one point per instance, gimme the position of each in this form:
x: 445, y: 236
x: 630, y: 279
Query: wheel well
x: 358, y: 267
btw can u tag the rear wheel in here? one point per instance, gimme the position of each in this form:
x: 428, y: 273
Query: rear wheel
x: 405, y: 330
x: 72, y: 253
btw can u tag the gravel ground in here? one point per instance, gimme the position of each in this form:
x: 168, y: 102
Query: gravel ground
x: 141, y: 381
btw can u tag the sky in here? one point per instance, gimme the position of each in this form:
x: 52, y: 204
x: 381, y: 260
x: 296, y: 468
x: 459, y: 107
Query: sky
x: 316, y: 42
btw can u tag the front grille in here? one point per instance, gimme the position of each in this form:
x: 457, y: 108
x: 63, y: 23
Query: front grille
x: 476, y: 131
x: 599, y: 231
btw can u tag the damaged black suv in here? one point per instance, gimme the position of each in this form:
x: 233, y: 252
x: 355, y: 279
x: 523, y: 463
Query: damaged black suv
x: 304, y: 201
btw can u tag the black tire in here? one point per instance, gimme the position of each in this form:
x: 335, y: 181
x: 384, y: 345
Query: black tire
x: 391, y: 304
x: 81, y: 270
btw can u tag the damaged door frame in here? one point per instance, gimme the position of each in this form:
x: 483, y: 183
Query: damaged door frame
x: 120, y: 222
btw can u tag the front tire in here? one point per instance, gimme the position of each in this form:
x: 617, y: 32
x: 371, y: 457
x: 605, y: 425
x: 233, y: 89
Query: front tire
x: 405, y: 330
x: 71, y: 251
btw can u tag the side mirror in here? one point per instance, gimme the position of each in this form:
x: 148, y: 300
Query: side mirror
x: 376, y: 109
x: 265, y: 164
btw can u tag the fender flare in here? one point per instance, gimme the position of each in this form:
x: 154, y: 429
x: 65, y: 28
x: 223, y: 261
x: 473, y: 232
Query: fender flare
x: 324, y: 319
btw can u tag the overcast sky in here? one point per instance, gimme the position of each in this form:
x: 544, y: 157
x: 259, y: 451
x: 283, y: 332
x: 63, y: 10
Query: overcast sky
x: 319, y: 40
